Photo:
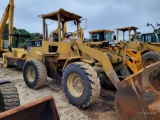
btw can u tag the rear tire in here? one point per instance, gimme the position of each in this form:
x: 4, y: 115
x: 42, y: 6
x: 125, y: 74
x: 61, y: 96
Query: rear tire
x: 9, y: 97
x: 150, y: 58
x: 34, y: 73
x: 80, y: 84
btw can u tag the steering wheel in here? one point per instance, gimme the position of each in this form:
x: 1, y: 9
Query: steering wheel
x: 68, y: 34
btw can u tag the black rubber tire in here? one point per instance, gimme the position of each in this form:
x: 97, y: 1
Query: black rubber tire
x: 151, y: 55
x: 90, y: 81
x: 107, y: 84
x: 9, y: 97
x: 40, y: 73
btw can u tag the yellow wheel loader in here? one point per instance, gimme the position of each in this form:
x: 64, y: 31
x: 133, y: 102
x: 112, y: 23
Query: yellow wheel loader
x: 148, y: 45
x: 78, y: 66
x: 133, y: 58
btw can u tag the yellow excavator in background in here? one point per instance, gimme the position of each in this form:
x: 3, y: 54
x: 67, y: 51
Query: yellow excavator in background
x: 7, y: 50
x: 8, y: 15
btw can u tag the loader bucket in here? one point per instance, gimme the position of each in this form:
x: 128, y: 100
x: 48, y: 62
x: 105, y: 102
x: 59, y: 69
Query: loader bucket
x: 138, y: 97
x: 43, y: 109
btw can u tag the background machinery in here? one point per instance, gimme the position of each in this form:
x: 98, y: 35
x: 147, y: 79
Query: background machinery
x: 133, y: 58
x: 148, y: 45
x: 78, y: 66
x: 8, y: 15
x: 16, y: 55
x: 151, y: 37
x: 101, y: 35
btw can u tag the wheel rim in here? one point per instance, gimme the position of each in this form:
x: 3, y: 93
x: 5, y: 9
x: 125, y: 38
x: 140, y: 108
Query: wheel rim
x: 75, y: 85
x: 149, y: 62
x: 30, y: 74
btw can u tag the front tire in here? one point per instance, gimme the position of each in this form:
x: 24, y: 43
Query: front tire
x: 150, y: 57
x: 80, y: 84
x: 9, y: 97
x: 34, y: 73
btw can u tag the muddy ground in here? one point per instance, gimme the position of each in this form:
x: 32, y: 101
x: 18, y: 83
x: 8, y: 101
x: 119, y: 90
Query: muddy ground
x: 103, y: 109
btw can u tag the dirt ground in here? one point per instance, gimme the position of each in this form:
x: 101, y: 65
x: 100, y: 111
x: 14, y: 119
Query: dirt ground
x: 103, y: 109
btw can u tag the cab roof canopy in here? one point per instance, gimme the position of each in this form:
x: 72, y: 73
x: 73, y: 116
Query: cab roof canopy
x: 67, y: 16
x: 127, y: 28
x: 98, y: 31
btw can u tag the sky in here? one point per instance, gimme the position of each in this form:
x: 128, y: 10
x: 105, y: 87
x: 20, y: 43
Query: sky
x: 100, y: 14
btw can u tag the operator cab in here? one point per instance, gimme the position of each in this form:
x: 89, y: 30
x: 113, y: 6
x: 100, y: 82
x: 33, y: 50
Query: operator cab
x: 150, y: 37
x: 101, y: 35
x: 34, y: 43
x: 61, y: 17
x: 16, y: 42
x: 129, y: 30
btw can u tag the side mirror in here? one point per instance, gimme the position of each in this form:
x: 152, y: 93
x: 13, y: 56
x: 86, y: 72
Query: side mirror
x: 148, y: 24
x: 85, y: 26
x: 114, y: 37
x: 75, y: 22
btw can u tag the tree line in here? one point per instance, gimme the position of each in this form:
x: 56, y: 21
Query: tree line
x: 22, y: 40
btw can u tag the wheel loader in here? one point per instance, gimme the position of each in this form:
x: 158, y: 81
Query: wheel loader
x: 78, y: 65
x: 148, y: 45
x: 133, y: 58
